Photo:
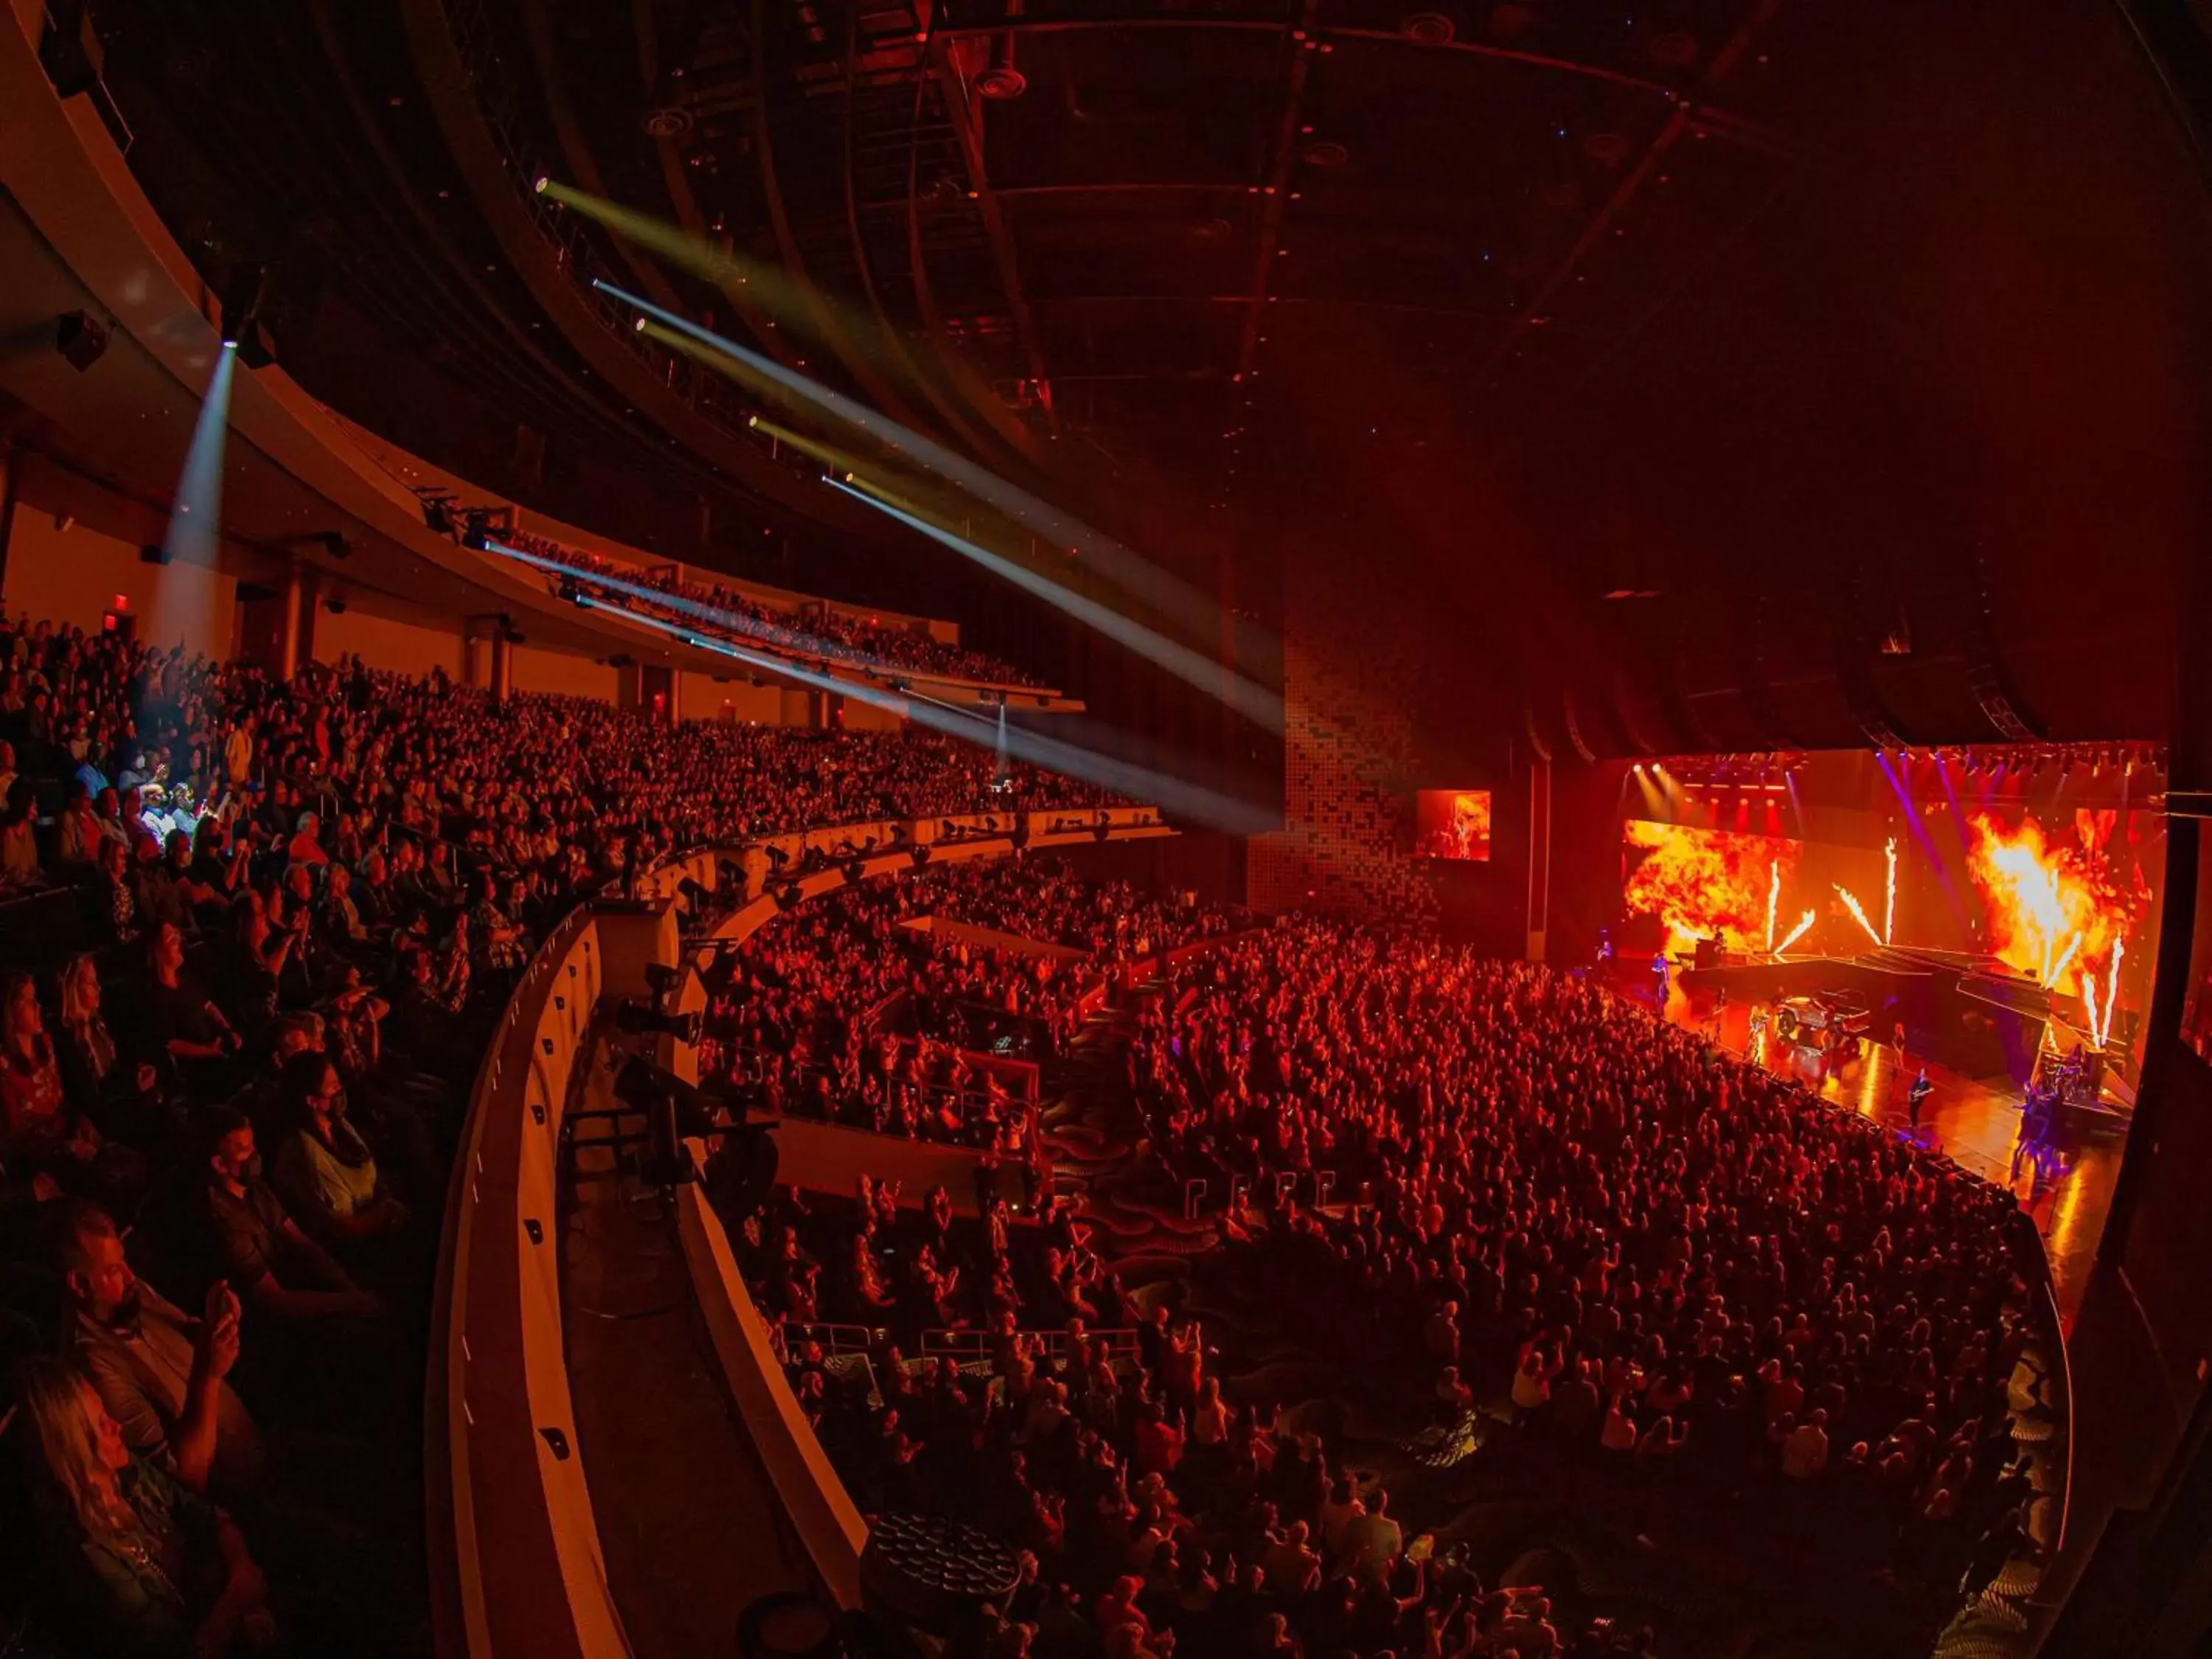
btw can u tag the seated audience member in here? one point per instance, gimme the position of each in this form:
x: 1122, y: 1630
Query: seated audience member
x: 115, y: 894
x: 150, y: 1567
x: 76, y: 829
x: 276, y: 1269
x: 19, y: 844
x: 324, y: 1172
x: 161, y: 1375
x: 39, y: 1129
x: 100, y: 1081
x: 192, y: 1031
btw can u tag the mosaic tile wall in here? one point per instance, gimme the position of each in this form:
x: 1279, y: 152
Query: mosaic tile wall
x: 1348, y: 761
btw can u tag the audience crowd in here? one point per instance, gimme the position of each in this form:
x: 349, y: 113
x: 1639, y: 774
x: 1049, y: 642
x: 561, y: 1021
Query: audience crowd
x: 1085, y: 1427
x: 856, y: 1008
x: 1668, y: 1263
x: 817, y: 632
x: 229, y: 1103
x: 1672, y: 1273
x: 226, y: 1117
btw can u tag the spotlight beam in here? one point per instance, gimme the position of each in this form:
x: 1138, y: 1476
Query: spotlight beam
x: 195, y: 527
x: 800, y: 305
x: 840, y: 460
x: 1199, y: 805
x: 1248, y: 698
x: 1189, y: 800
x: 786, y: 639
x: 1135, y: 576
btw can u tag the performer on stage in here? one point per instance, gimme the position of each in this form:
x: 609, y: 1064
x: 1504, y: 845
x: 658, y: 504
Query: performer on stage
x: 1916, y: 1097
x: 1658, y: 979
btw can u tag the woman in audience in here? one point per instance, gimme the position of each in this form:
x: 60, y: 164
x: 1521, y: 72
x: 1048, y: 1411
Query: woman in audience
x: 38, y: 1128
x: 19, y: 846
x: 99, y: 1082
x: 152, y: 1569
x: 116, y: 897
x: 323, y: 1170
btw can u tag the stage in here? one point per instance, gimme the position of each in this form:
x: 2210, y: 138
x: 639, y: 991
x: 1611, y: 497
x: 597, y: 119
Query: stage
x: 1973, y: 1119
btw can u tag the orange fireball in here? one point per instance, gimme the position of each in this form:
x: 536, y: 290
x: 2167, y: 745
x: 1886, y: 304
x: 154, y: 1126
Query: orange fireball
x: 2055, y: 910
x: 1700, y: 882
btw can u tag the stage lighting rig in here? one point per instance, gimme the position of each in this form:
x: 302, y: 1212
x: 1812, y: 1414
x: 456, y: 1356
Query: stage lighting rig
x: 663, y: 977
x: 675, y: 1109
x: 639, y: 1017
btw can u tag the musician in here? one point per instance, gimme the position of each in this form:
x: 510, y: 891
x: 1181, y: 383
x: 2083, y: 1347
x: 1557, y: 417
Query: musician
x: 1659, y: 978
x: 1916, y: 1097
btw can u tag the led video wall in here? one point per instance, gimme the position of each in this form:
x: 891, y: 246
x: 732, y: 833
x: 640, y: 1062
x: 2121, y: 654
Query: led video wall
x: 1452, y: 823
x: 2043, y: 878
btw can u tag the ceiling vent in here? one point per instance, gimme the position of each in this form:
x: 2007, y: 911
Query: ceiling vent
x: 667, y: 122
x: 1427, y: 29
x: 1325, y: 153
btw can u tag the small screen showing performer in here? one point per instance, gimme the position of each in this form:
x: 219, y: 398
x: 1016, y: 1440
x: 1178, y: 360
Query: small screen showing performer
x: 1452, y: 823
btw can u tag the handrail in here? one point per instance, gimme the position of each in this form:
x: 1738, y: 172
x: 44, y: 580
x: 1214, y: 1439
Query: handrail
x: 822, y: 1513
x: 509, y: 1515
x: 2065, y: 1409
x: 516, y: 1570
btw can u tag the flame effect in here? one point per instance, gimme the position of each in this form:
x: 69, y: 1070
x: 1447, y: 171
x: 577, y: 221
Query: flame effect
x: 1773, y: 892
x: 1795, y: 933
x: 2052, y: 907
x: 1700, y: 881
x: 2111, y: 992
x: 1851, y: 903
x: 1889, y: 901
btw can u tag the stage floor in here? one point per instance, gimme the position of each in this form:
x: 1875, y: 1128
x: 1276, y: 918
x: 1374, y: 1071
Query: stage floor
x: 1975, y: 1121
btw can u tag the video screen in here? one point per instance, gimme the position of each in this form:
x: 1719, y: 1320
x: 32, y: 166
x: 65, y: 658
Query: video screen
x: 1452, y: 823
x: 1713, y: 883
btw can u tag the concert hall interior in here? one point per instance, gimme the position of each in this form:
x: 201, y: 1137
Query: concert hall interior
x: 1105, y: 830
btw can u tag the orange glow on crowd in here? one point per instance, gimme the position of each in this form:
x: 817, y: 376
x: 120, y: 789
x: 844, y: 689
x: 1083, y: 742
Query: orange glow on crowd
x: 2056, y: 908
x: 1701, y: 882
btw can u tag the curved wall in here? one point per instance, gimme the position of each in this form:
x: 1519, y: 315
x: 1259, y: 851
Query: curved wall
x: 510, y: 1509
x: 78, y: 232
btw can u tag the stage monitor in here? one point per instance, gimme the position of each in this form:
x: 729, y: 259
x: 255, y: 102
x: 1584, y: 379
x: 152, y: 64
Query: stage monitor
x: 1452, y: 823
